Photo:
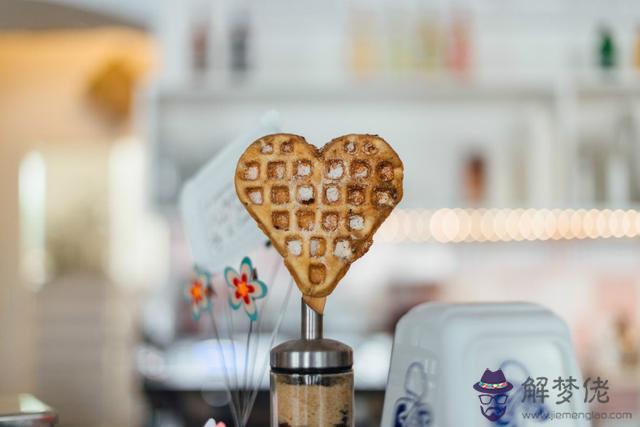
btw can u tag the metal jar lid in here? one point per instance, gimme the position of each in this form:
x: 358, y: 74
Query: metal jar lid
x: 312, y: 352
x: 312, y: 355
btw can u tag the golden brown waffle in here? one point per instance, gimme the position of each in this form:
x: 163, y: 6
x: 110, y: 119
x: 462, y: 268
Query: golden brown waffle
x: 320, y: 208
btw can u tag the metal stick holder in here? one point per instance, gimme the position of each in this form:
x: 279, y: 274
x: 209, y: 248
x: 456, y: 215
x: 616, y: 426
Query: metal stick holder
x: 311, y: 379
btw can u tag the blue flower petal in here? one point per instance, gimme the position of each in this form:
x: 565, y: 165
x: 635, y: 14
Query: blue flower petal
x: 229, y: 275
x: 246, y: 268
x: 195, y: 312
x: 251, y: 309
x: 234, y: 305
x: 261, y: 289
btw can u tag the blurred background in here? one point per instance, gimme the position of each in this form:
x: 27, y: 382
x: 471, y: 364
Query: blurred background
x: 518, y: 123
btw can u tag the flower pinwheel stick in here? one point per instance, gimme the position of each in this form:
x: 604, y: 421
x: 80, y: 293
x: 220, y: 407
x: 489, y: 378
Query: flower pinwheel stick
x: 281, y: 310
x: 245, y: 288
x: 201, y: 293
x: 242, y: 290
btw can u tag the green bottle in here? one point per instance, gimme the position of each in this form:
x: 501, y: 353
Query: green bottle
x: 607, y: 49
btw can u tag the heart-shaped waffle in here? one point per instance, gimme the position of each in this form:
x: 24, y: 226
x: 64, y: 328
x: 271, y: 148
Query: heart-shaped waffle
x: 319, y: 207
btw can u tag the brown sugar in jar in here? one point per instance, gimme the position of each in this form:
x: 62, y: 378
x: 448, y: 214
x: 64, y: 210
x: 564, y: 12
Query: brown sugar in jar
x: 312, y: 400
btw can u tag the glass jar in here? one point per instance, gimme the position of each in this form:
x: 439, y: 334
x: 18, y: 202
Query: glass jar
x: 311, y: 379
x: 313, y: 400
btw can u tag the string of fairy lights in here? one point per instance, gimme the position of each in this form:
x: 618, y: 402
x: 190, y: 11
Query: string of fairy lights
x: 506, y: 225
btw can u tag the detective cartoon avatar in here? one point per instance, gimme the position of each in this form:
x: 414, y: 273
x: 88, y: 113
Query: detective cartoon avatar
x: 411, y: 411
x: 493, y: 388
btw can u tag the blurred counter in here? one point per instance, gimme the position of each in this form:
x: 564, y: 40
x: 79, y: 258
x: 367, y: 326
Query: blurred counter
x: 192, y: 364
x: 185, y: 380
x: 24, y: 410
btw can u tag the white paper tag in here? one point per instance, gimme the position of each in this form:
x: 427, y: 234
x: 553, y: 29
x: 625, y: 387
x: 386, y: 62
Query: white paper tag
x: 216, y: 224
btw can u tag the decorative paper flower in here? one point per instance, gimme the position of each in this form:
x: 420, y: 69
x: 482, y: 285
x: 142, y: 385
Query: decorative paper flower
x: 245, y: 288
x: 200, y: 291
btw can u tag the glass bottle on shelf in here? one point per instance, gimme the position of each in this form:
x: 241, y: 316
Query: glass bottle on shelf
x: 606, y: 49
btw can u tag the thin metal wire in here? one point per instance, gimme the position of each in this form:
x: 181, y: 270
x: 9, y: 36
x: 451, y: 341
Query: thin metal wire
x: 245, y: 384
x: 224, y: 365
x: 258, y: 330
x: 231, y: 328
x: 266, y: 359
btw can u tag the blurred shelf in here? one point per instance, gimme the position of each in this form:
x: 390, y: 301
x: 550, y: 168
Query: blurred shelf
x: 608, y: 90
x: 401, y: 91
x: 410, y: 89
x: 538, y: 123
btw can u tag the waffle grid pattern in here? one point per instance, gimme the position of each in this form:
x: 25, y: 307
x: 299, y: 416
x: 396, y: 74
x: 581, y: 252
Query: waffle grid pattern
x: 319, y: 208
